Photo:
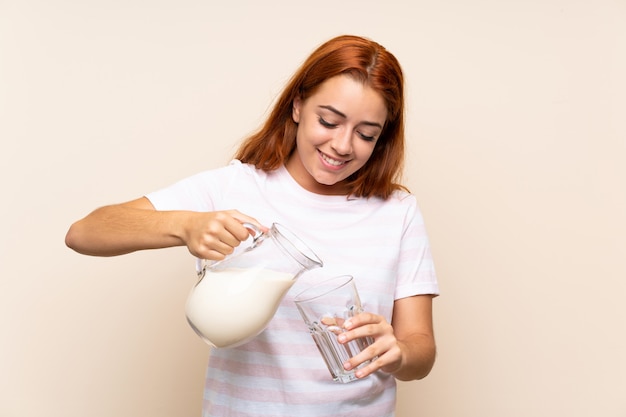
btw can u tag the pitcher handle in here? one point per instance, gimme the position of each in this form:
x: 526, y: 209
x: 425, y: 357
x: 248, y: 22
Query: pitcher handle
x: 200, y: 268
x: 257, y: 237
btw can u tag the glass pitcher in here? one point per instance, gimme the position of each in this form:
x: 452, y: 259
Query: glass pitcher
x: 235, y: 298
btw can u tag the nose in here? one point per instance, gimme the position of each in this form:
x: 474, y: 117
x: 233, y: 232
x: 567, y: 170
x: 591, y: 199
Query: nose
x: 342, y: 142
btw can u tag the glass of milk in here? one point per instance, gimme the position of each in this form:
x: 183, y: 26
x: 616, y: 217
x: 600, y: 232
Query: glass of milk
x: 324, y: 308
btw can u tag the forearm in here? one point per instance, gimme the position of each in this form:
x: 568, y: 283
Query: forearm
x: 413, y: 330
x: 120, y: 229
x: 418, y: 357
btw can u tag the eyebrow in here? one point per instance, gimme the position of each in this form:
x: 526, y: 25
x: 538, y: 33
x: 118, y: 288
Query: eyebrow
x: 338, y: 113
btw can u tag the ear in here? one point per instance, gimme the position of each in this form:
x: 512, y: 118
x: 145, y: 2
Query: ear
x: 295, y: 112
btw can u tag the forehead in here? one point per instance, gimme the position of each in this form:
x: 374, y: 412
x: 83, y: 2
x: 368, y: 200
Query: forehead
x: 351, y: 97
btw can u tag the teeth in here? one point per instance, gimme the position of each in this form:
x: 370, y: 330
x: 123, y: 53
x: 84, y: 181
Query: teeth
x: 333, y: 162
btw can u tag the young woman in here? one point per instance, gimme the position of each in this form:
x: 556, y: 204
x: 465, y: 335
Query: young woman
x: 326, y: 164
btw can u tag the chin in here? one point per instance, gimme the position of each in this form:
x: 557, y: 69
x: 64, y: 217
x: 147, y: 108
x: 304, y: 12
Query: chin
x: 327, y: 182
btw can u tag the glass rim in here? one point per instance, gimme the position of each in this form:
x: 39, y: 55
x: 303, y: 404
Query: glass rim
x: 301, y: 297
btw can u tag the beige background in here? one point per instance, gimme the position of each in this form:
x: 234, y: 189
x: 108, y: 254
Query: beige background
x: 517, y: 145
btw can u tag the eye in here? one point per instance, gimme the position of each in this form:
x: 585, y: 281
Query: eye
x: 366, y: 137
x: 326, y: 124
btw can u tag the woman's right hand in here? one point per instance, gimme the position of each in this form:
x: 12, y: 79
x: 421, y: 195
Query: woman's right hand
x: 135, y: 225
x: 214, y: 235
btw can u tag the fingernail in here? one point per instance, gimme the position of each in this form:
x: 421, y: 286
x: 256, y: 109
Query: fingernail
x: 347, y: 324
x: 341, y: 338
x: 347, y: 366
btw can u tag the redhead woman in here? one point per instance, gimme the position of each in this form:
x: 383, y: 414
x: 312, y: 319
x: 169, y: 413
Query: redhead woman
x: 326, y: 163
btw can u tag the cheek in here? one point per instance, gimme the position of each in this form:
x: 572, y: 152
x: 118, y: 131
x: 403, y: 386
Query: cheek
x: 366, y: 149
x: 308, y: 135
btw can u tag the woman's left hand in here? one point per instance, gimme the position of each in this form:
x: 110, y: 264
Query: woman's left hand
x: 385, y: 349
x: 404, y: 348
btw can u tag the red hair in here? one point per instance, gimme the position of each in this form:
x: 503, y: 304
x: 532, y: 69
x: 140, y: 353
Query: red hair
x: 365, y: 61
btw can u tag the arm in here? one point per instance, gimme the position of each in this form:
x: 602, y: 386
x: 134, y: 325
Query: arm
x: 123, y: 228
x: 406, y: 348
x: 413, y: 328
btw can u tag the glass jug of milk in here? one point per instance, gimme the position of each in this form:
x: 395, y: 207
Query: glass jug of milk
x: 235, y: 298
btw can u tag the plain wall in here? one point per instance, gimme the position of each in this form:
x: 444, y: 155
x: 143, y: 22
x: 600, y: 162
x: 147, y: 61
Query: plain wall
x: 517, y: 143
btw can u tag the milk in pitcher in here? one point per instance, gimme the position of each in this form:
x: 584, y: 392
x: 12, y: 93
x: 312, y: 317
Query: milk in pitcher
x: 230, y: 306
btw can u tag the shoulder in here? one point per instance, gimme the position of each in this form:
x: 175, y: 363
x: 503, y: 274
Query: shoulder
x: 236, y: 166
x: 235, y: 170
x: 403, y: 197
x: 405, y: 205
x: 401, y: 200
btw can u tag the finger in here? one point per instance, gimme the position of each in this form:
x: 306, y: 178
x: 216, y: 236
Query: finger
x: 368, y: 369
x: 212, y: 255
x: 208, y: 254
x: 368, y: 354
x: 362, y: 319
x: 367, y: 330
x: 214, y: 251
x: 242, y: 218
x: 234, y: 230
x: 216, y: 235
x: 232, y: 239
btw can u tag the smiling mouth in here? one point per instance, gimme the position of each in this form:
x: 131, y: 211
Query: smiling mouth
x: 331, y: 161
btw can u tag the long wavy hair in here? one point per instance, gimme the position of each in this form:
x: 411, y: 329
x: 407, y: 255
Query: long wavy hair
x: 365, y: 61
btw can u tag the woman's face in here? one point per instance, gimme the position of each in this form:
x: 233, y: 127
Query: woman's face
x: 338, y: 127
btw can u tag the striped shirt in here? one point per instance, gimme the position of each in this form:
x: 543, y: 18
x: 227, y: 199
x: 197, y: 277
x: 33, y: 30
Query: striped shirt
x: 382, y: 243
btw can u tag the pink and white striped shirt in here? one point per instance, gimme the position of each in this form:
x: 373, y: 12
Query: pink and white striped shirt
x: 383, y: 244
